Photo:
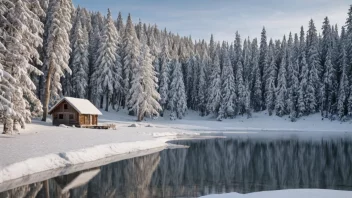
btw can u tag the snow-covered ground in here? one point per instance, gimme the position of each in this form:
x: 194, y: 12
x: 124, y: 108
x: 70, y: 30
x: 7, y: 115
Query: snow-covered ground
x: 43, y: 147
x: 301, y: 193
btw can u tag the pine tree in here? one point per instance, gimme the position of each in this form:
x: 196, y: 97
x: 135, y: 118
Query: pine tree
x: 178, y: 101
x: 131, y: 53
x: 240, y: 89
x: 164, y: 78
x: 80, y: 61
x: 57, y: 49
x: 21, y: 32
x: 343, y: 89
x: 108, y: 72
x: 227, y: 107
x: 281, y: 92
x: 313, y: 90
x: 202, y: 86
x: 256, y: 79
x: 302, y: 93
x: 263, y: 63
x: 215, y: 87
x: 328, y: 88
x: 270, y: 80
x: 143, y: 94
x: 94, y: 38
x: 293, y: 90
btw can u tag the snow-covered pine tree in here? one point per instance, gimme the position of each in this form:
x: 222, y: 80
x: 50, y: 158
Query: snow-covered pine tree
x: 228, y: 96
x: 302, y: 93
x: 6, y: 79
x: 94, y: 38
x: 241, y: 91
x: 348, y: 40
x: 212, y: 48
x: 215, y: 87
x: 281, y: 91
x: 130, y: 57
x: 246, y: 56
x: 343, y: 89
x: 248, y: 101
x: 195, y: 81
x: 270, y: 80
x: 313, y: 89
x: 328, y: 87
x: 80, y: 61
x: 21, y: 30
x: 119, y: 24
x: 108, y: 63
x: 57, y: 49
x: 164, y: 77
x: 263, y: 64
x: 143, y: 93
x: 202, y: 86
x: 294, y: 89
x: 256, y: 79
x: 177, y: 94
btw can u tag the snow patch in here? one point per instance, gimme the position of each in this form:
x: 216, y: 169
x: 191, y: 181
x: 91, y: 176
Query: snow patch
x: 64, y: 159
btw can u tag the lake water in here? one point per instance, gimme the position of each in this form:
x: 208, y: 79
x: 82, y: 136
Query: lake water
x: 210, y: 167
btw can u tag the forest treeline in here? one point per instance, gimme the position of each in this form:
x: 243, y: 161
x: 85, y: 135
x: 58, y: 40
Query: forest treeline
x: 50, y: 49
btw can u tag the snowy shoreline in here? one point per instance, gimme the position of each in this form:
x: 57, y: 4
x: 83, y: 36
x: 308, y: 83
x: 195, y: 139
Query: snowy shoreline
x: 72, y: 161
x: 10, y: 180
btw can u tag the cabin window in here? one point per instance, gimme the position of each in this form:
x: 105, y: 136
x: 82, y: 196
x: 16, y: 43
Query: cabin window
x: 55, y: 116
x: 71, y: 116
x: 65, y: 106
x: 61, y: 116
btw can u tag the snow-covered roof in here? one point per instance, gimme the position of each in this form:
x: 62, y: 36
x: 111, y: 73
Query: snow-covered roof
x: 82, y: 106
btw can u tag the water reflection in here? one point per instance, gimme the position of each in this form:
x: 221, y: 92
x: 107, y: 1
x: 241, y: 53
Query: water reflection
x: 214, y: 166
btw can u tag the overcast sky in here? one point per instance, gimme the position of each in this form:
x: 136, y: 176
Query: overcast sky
x: 223, y: 18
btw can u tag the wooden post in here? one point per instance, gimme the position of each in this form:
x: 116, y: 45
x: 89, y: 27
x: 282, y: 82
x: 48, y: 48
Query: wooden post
x: 46, y: 189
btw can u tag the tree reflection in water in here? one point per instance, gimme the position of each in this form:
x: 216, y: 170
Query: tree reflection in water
x: 215, y: 166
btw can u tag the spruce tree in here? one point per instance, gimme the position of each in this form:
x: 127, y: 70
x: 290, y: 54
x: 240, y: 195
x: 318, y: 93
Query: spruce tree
x: 313, y: 90
x: 80, y: 61
x: 281, y: 92
x: 202, y: 86
x: 108, y: 62
x: 164, y: 78
x: 228, y: 96
x: 178, y: 101
x: 131, y: 53
x: 263, y: 63
x: 57, y: 48
x: 343, y: 89
x: 215, y: 87
x: 144, y: 98
x: 302, y: 92
x: 270, y: 80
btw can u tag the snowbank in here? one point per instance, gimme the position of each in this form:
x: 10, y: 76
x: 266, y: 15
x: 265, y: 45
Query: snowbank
x: 64, y: 159
x: 301, y: 193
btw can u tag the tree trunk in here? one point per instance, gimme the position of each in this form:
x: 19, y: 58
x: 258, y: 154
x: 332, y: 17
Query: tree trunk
x: 101, y: 101
x: 47, y: 93
x: 8, y: 126
x: 140, y: 117
x: 107, y: 101
x: 14, y: 125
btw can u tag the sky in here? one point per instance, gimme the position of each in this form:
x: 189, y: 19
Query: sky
x: 222, y: 18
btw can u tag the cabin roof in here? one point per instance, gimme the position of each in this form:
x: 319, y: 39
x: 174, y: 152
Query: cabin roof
x: 82, y: 106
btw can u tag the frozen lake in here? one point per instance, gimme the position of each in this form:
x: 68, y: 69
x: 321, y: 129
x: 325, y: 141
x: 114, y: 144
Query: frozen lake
x: 211, y: 166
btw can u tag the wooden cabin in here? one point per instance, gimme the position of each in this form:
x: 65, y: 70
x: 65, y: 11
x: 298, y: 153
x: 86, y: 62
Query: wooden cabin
x: 74, y: 112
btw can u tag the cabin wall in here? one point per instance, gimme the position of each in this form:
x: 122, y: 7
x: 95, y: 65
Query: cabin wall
x: 85, y: 120
x: 65, y: 114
